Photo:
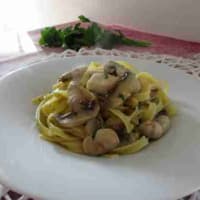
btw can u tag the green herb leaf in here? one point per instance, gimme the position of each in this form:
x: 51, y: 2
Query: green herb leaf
x: 75, y: 37
x: 50, y: 37
x: 138, y: 43
x: 92, y: 34
x: 122, y: 97
x: 108, y: 40
x: 83, y: 18
x: 77, y: 26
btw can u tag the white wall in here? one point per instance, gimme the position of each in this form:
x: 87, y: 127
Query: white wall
x: 177, y: 18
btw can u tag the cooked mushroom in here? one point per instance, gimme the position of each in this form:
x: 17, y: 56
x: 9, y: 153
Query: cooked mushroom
x: 132, y: 102
x: 126, y: 139
x: 133, y: 137
x: 124, y: 90
x: 91, y: 147
x: 155, y: 129
x: 116, y: 69
x: 75, y: 74
x: 104, y: 141
x: 70, y: 120
x: 80, y: 98
x: 164, y: 121
x: 151, y: 129
x: 91, y: 126
x: 83, y: 104
x: 114, y: 123
x: 100, y: 83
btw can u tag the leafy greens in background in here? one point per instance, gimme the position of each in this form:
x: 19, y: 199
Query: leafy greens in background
x: 75, y: 37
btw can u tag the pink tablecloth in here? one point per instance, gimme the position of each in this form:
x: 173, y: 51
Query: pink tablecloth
x: 160, y: 44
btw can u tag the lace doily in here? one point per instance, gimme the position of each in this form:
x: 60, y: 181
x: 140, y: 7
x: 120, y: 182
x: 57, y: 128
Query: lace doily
x: 188, y: 65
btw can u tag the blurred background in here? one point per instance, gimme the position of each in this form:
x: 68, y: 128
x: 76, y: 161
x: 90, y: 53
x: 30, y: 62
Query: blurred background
x: 176, y: 18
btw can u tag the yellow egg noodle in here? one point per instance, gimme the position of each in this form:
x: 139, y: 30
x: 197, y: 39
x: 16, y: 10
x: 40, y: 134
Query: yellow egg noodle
x: 125, y: 124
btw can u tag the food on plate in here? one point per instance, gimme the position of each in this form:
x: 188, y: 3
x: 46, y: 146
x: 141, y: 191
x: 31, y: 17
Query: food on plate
x: 86, y: 33
x: 105, y: 109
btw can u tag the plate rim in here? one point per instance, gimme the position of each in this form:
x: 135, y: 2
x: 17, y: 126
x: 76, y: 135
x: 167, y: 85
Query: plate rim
x: 8, y: 183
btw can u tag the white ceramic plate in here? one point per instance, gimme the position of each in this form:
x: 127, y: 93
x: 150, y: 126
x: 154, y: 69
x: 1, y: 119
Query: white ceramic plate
x: 166, y: 170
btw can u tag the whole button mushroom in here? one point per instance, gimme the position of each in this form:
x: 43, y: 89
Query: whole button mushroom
x: 164, y: 121
x: 155, y: 129
x: 104, y: 141
x: 151, y: 129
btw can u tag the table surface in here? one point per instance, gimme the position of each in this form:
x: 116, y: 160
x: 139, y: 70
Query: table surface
x: 25, y: 44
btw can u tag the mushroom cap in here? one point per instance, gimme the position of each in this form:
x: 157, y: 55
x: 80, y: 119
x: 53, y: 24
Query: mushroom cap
x: 124, y: 89
x: 90, y: 147
x: 108, y: 138
x: 75, y: 74
x: 116, y: 69
x: 101, y: 84
x: 105, y: 140
x: 164, y: 121
x: 83, y: 104
x: 79, y: 98
x: 151, y: 129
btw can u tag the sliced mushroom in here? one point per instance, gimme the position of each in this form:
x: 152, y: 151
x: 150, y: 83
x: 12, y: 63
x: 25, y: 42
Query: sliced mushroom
x: 75, y: 74
x: 124, y: 90
x: 114, y: 123
x: 91, y: 126
x: 79, y: 98
x: 132, y: 102
x: 151, y: 129
x: 83, y: 104
x: 116, y: 69
x: 87, y: 75
x: 105, y: 140
x: 70, y: 120
x: 101, y: 84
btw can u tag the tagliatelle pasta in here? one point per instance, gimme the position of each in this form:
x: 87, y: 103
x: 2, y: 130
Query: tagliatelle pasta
x: 95, y: 111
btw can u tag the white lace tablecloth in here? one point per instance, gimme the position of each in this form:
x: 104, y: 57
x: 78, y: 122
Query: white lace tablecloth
x: 188, y: 65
